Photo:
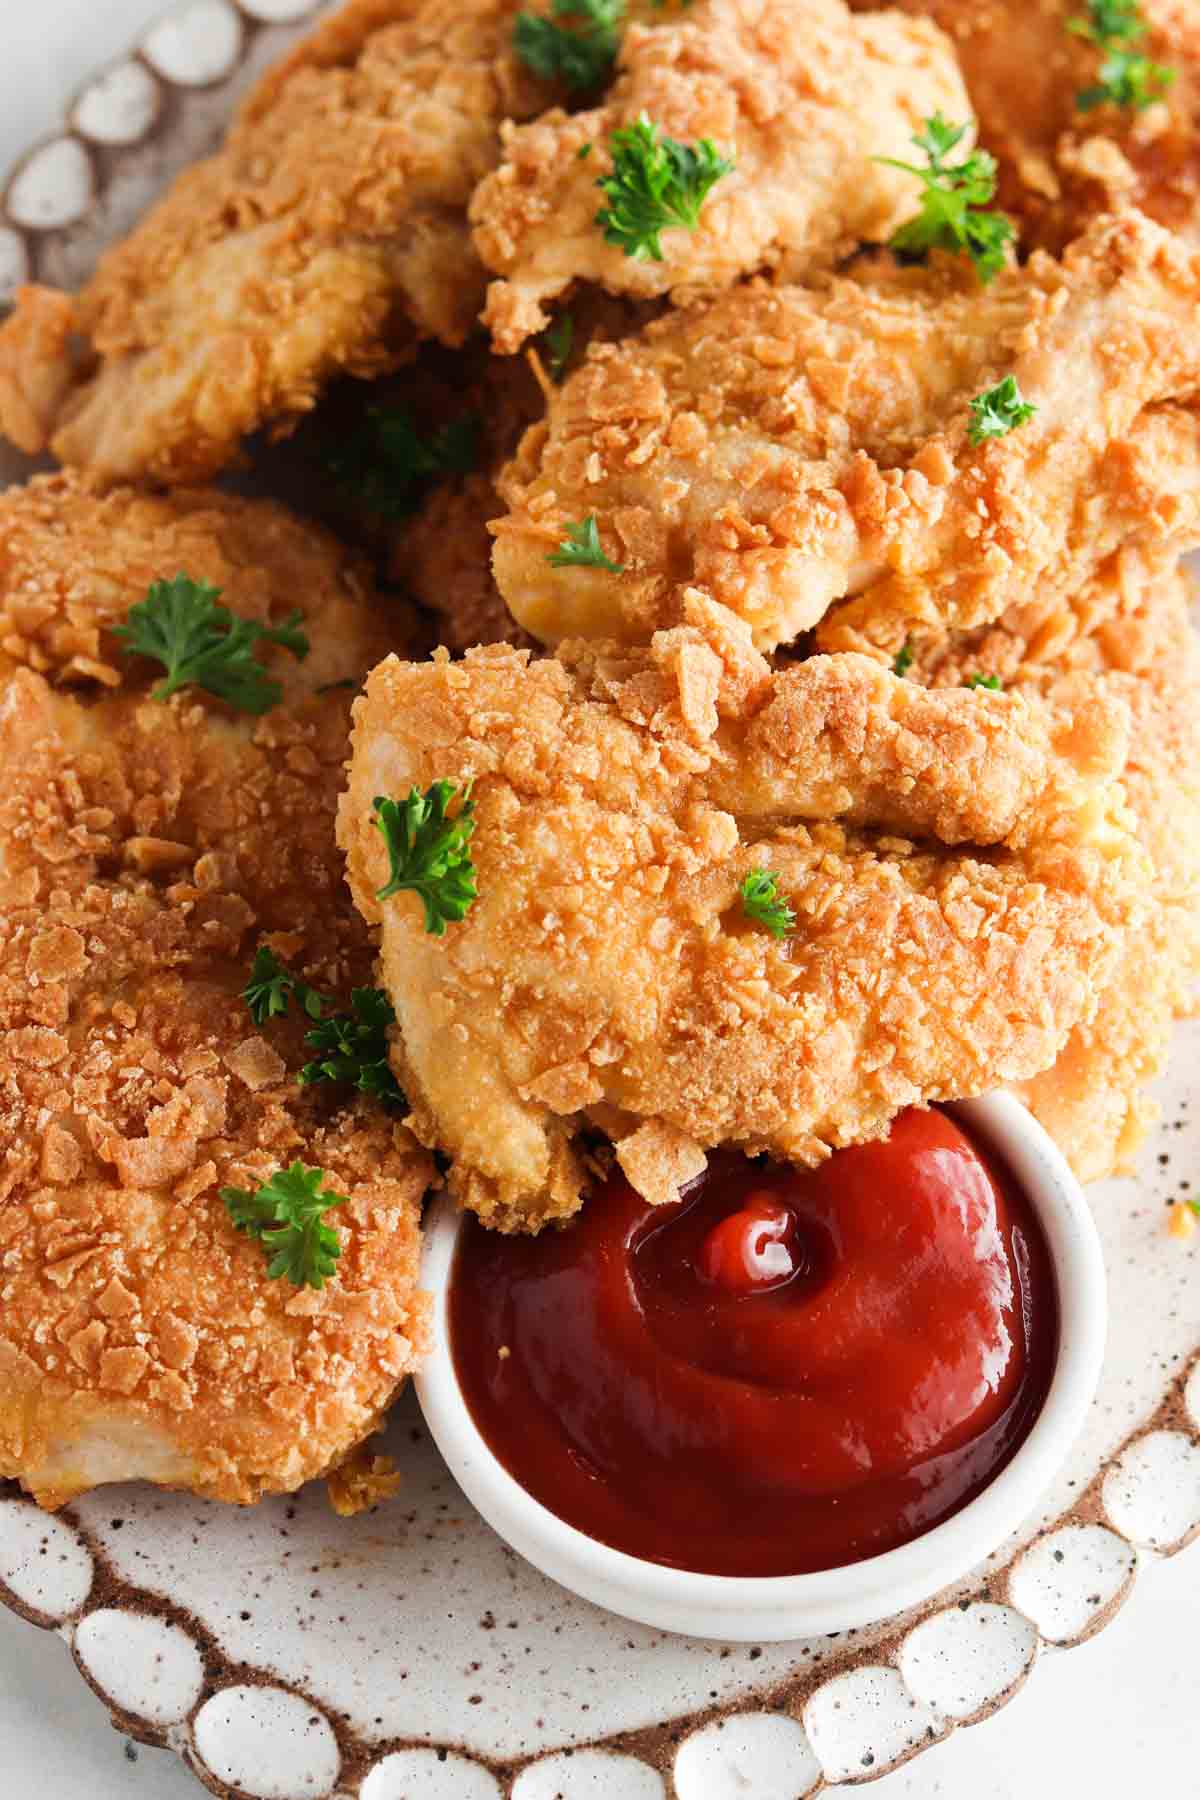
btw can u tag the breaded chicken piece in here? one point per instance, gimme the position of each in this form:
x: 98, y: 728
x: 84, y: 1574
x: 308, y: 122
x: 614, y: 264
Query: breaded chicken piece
x: 961, y: 868
x: 1060, y: 164
x: 146, y: 849
x: 800, y: 94
x: 1138, y: 646
x: 789, y: 447
x: 328, y: 235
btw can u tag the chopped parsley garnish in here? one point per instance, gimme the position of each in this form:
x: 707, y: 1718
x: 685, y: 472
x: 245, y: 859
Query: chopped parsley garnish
x: 1126, y: 77
x: 582, y: 54
x: 430, y: 852
x: 559, y: 339
x: 384, y: 464
x: 655, y: 182
x: 200, y: 643
x: 271, y: 987
x: 998, y: 411
x: 286, y: 1215
x: 581, y: 549
x: 352, y: 1047
x: 978, y: 680
x: 904, y: 660
x: 762, y: 902
x: 953, y: 213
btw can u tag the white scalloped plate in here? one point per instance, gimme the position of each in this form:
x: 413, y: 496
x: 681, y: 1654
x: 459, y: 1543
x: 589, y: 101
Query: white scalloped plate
x: 289, y: 1655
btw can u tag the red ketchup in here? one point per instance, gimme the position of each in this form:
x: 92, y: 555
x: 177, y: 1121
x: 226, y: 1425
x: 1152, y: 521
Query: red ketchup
x: 788, y: 1370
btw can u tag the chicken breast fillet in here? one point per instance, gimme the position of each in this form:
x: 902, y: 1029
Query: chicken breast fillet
x: 328, y: 234
x: 1060, y: 163
x: 801, y: 95
x: 146, y: 849
x: 961, y: 868
x: 790, y: 447
x: 1135, y: 644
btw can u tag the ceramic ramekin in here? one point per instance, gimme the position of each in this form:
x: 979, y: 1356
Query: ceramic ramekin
x: 774, y: 1608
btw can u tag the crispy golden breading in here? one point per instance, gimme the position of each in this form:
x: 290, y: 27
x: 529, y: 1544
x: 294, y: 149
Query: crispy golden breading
x: 327, y: 235
x: 961, y: 866
x: 798, y: 92
x: 1132, y: 640
x: 789, y: 447
x: 146, y: 848
x: 1060, y: 165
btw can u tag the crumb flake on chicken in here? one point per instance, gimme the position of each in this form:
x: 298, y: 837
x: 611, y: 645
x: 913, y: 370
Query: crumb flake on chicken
x: 790, y: 448
x: 797, y: 92
x: 1061, y: 164
x: 146, y: 848
x: 327, y: 235
x: 961, y: 868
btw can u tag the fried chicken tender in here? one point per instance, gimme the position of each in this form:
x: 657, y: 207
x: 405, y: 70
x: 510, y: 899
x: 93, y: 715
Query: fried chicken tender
x: 328, y: 235
x: 789, y: 447
x: 146, y: 848
x: 1060, y: 164
x: 800, y: 94
x: 1137, y: 646
x: 961, y: 867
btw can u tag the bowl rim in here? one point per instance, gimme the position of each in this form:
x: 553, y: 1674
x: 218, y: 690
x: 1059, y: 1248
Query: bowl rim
x: 774, y: 1607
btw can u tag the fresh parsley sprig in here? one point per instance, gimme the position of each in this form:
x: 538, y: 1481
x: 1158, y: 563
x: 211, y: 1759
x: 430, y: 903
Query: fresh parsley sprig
x: 200, y: 643
x: 272, y: 986
x: 286, y: 1214
x: 904, y: 659
x: 979, y: 680
x: 998, y: 411
x: 954, y: 199
x: 430, y: 852
x: 581, y: 549
x: 656, y: 182
x: 580, y: 55
x: 384, y: 464
x: 1127, y: 78
x: 352, y: 1047
x: 762, y: 902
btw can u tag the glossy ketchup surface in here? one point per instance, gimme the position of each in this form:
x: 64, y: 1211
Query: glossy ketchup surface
x: 788, y: 1370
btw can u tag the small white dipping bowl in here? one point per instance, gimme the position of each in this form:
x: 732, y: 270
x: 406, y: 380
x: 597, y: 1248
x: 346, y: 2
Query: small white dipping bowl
x: 765, y: 1609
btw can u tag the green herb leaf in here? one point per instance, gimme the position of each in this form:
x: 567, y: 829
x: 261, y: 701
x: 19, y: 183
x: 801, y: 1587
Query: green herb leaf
x: 954, y: 196
x: 581, y: 55
x: 904, y: 660
x: 272, y: 986
x: 998, y: 411
x: 762, y: 902
x: 286, y: 1215
x: 202, y: 644
x: 429, y: 852
x: 559, y: 339
x: 1127, y: 78
x: 979, y: 680
x: 384, y: 464
x: 352, y: 1047
x: 581, y: 549
x: 655, y: 182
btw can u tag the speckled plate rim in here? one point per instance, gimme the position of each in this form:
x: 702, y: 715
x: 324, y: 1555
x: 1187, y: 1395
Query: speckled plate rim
x: 893, y: 1699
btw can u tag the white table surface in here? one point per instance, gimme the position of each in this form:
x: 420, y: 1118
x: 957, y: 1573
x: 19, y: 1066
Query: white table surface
x: 1117, y: 1716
